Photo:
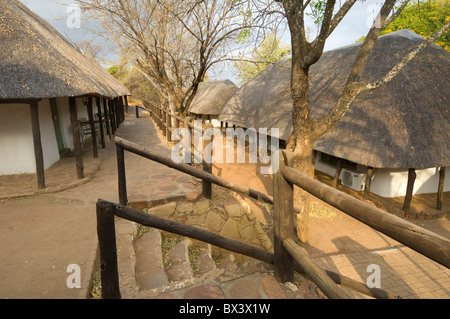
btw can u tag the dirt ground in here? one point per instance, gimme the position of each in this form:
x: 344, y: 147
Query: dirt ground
x: 40, y: 237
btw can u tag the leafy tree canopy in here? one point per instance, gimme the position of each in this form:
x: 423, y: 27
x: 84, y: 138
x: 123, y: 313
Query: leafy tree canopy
x: 271, y: 50
x: 424, y: 18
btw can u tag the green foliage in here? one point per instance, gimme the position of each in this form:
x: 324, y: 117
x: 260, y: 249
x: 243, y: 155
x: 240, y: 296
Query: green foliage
x: 317, y: 10
x: 268, y: 52
x: 424, y: 18
x: 243, y: 35
x: 138, y: 85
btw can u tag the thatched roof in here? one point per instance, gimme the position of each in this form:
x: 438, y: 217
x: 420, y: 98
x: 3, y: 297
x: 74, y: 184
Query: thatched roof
x: 38, y: 62
x: 403, y: 124
x: 212, y: 96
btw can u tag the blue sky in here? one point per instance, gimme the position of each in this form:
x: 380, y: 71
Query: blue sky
x: 352, y: 27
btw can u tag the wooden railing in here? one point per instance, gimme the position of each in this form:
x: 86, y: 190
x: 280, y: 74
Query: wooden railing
x: 287, y: 251
x: 287, y: 256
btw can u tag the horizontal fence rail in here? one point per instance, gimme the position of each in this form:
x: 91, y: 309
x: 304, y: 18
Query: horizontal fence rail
x: 185, y: 168
x: 106, y: 211
x: 288, y: 256
x: 423, y: 241
x: 258, y: 254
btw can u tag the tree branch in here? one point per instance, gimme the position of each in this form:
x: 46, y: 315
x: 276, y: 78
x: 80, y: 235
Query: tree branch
x: 396, y: 69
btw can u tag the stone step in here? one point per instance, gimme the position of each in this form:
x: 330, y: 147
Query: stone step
x: 202, y: 262
x: 126, y: 258
x: 149, y: 266
x: 177, y: 263
x: 165, y: 262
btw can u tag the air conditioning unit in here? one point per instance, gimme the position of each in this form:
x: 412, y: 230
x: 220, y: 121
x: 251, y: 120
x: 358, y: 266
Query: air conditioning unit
x: 354, y: 180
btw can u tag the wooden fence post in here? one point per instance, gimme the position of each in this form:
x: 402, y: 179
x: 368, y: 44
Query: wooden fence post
x: 207, y: 167
x: 160, y: 117
x: 177, y: 121
x: 109, y: 269
x: 137, y: 111
x: 163, y: 122
x: 168, y: 126
x: 121, y: 175
x: 186, y: 122
x: 283, y: 207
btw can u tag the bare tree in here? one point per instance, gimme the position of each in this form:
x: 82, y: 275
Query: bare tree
x: 306, y: 130
x: 173, y: 43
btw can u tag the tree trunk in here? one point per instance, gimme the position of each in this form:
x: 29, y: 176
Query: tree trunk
x: 301, y: 140
x: 303, y: 162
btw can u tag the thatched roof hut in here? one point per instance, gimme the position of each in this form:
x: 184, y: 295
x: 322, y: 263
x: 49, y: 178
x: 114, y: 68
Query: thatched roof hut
x: 403, y: 124
x: 38, y: 62
x: 212, y: 96
x: 45, y: 78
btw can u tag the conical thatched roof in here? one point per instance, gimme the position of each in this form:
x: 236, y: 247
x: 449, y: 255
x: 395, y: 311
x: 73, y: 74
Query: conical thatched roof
x: 38, y: 62
x: 403, y: 124
x: 212, y: 96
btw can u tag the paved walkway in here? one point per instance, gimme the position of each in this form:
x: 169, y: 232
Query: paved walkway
x: 44, y: 232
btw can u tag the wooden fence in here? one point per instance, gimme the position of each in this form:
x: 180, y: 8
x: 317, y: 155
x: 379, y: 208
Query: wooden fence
x: 288, y: 256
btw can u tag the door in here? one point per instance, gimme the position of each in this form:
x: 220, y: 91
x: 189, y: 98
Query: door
x: 56, y: 125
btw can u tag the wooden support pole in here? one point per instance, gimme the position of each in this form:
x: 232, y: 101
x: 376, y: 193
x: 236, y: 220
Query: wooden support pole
x: 338, y: 172
x: 283, y: 222
x: 92, y: 125
x: 106, y: 112
x: 116, y: 112
x: 112, y: 116
x: 76, y: 137
x: 123, y: 198
x: 440, y: 193
x: 100, y: 122
x: 409, y: 189
x: 37, y: 143
x: 369, y: 176
x: 168, y: 125
x: 126, y: 103
x: 121, y: 109
x: 109, y: 269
